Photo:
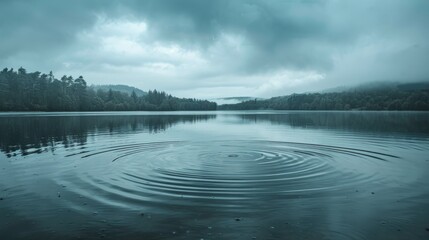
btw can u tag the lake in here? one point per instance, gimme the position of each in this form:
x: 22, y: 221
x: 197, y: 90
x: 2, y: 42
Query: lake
x: 214, y: 175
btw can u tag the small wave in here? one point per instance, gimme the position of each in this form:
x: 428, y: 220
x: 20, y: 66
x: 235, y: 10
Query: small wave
x: 222, y: 174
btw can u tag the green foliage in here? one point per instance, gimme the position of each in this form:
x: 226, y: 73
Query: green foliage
x: 389, y: 99
x: 120, y: 88
x: 22, y: 91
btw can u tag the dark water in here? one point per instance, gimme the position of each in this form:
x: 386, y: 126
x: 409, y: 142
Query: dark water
x: 215, y: 175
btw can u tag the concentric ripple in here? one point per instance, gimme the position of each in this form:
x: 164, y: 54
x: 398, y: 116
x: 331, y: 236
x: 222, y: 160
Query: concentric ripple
x: 221, y: 174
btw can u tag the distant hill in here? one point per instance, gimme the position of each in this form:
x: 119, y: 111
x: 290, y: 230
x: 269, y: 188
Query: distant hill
x: 120, y: 88
x: 382, y: 85
x: 233, y: 100
x: 423, y: 86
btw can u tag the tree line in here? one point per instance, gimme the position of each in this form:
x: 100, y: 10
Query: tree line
x: 378, y: 99
x: 22, y: 91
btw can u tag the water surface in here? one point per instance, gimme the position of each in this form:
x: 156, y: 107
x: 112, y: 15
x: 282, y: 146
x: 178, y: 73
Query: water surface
x: 215, y: 175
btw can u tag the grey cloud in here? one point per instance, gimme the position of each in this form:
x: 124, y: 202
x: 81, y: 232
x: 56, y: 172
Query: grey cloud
x: 295, y: 35
x: 274, y: 33
x: 41, y: 26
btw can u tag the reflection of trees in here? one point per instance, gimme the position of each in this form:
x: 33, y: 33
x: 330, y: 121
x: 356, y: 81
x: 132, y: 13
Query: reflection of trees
x: 391, y: 122
x: 41, y: 133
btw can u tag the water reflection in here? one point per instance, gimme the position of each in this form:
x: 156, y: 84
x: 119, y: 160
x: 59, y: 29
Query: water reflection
x: 36, y: 134
x: 373, y: 122
x: 41, y: 133
x: 234, y: 175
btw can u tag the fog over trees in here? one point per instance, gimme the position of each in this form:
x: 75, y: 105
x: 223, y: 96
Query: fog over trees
x: 370, y: 99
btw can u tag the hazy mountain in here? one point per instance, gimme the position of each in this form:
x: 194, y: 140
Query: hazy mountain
x: 381, y: 85
x: 120, y: 88
x: 233, y: 100
x: 414, y: 86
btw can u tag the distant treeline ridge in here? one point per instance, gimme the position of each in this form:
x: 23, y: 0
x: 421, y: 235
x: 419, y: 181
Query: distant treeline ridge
x: 370, y: 99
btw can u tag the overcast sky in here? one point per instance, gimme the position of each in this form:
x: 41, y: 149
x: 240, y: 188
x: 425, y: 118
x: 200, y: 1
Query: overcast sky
x: 219, y: 48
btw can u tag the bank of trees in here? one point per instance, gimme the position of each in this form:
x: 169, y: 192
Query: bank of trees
x: 22, y: 91
x: 380, y: 99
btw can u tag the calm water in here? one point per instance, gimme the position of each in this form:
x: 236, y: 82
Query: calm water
x: 214, y: 175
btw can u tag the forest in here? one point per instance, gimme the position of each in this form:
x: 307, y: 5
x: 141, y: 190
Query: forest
x: 22, y: 91
x: 369, y: 99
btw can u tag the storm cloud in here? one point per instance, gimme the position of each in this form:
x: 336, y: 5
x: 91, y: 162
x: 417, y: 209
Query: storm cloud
x: 220, y: 48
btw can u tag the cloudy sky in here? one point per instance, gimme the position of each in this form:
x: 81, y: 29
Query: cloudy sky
x: 207, y: 48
